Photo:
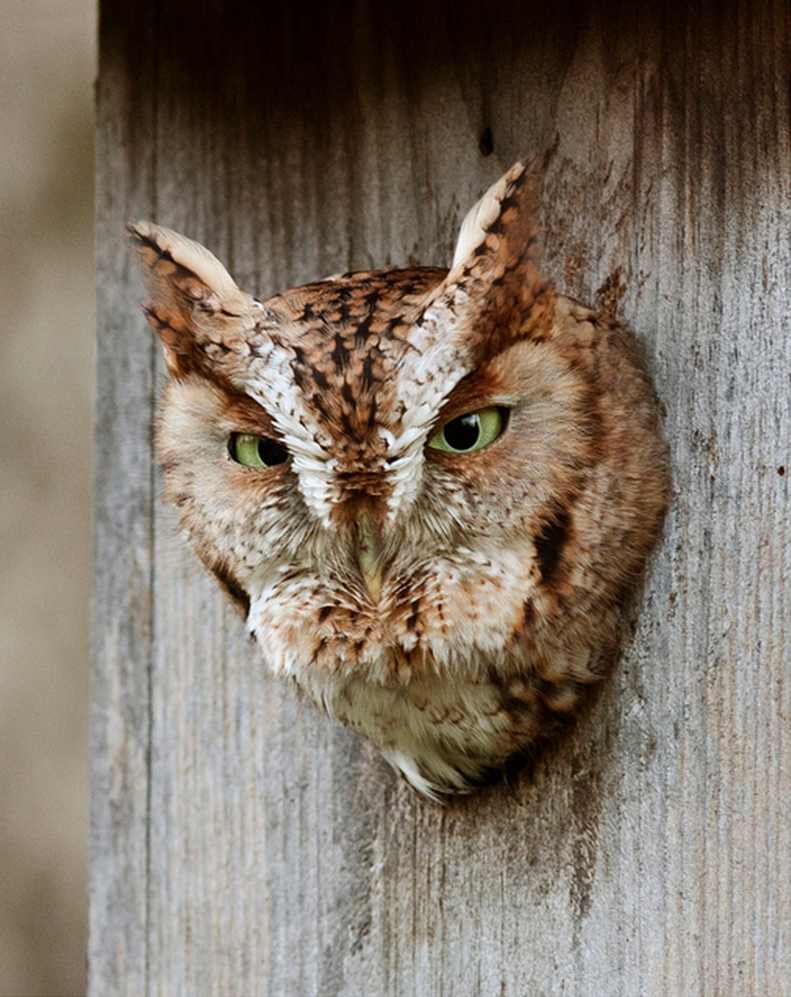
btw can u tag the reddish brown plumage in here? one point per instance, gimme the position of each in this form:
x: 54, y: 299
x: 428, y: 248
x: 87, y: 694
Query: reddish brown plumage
x: 449, y: 605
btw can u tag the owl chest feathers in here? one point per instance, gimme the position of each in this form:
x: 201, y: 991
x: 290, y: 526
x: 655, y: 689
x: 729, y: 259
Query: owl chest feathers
x: 446, y: 697
x: 446, y: 681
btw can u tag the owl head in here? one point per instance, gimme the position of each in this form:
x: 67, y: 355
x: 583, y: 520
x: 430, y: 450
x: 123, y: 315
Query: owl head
x: 428, y: 491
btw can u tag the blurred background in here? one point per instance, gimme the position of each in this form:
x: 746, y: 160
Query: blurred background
x: 47, y: 71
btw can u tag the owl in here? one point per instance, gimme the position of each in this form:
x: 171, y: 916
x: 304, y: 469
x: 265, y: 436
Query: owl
x: 429, y: 492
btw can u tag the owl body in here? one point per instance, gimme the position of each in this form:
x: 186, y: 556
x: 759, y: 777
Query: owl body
x: 429, y: 492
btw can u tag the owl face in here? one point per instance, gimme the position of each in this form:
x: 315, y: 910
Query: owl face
x: 428, y: 491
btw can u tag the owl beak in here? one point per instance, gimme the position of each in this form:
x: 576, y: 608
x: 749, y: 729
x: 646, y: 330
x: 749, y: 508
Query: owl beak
x: 369, y: 547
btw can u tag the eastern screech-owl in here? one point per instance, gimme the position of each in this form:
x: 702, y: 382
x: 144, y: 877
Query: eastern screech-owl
x: 428, y: 491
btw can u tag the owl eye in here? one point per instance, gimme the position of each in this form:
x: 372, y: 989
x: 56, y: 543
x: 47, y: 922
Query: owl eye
x: 256, y: 451
x: 471, y: 431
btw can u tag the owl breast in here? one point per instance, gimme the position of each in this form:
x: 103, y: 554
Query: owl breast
x: 430, y: 492
x: 444, y: 685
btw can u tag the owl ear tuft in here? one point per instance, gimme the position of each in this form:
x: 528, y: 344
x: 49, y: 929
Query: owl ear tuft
x: 192, y: 299
x: 503, y: 223
x: 496, y: 272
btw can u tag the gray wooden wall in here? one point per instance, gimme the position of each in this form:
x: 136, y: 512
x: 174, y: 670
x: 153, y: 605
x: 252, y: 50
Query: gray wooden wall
x: 241, y: 843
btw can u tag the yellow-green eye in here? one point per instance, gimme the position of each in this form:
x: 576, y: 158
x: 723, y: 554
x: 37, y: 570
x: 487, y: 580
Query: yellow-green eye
x: 256, y: 451
x: 471, y: 431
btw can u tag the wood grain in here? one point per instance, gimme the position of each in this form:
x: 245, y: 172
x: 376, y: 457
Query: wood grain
x: 244, y: 845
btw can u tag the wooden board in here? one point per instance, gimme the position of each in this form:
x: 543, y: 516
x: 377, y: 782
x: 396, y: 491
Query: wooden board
x: 241, y: 843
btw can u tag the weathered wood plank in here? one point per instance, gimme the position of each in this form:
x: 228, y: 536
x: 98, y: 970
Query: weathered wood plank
x: 123, y: 531
x: 242, y: 844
